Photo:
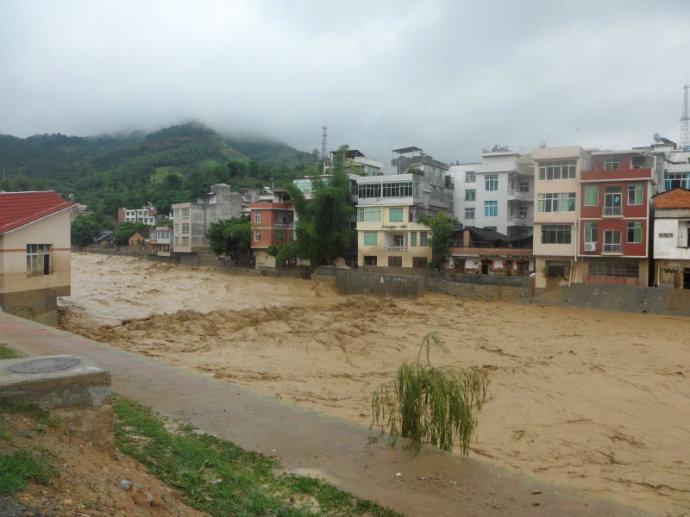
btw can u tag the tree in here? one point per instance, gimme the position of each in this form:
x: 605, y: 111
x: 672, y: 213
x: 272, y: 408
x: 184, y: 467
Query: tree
x: 85, y: 228
x: 441, y: 237
x: 231, y: 237
x: 323, y: 231
x: 430, y: 405
x: 126, y: 230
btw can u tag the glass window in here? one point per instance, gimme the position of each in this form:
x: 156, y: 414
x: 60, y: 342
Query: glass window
x: 558, y: 202
x: 395, y: 214
x: 469, y: 213
x: 524, y: 186
x: 613, y: 201
x: 370, y: 238
x: 491, y: 182
x: 185, y: 227
x: 185, y: 213
x: 556, y: 233
x: 369, y: 214
x: 397, y: 189
x: 592, y: 195
x: 557, y: 170
x: 257, y: 235
x: 368, y: 190
x: 611, y: 164
x: 257, y: 217
x: 395, y: 261
x: 680, y: 180
x: 635, y: 194
x: 38, y: 259
x: 470, y: 195
x: 523, y: 212
x: 470, y: 177
x: 278, y: 235
x: 591, y: 231
x: 423, y: 239
x: 612, y: 241
x: 413, y: 238
x: 635, y: 232
x: 490, y: 208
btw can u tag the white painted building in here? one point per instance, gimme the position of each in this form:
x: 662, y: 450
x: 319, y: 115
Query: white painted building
x: 672, y: 238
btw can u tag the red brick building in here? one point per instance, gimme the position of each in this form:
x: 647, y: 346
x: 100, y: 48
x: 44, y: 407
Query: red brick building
x: 273, y: 223
x: 614, y: 218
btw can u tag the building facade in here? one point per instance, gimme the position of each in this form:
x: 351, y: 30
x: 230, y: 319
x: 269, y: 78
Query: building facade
x: 34, y: 253
x: 672, y: 238
x: 147, y: 215
x: 273, y: 224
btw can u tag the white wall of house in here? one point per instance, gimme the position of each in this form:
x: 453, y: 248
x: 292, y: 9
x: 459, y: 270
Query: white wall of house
x: 671, y: 239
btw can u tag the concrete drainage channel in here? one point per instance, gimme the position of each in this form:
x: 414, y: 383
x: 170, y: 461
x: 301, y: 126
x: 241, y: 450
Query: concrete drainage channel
x: 75, y: 390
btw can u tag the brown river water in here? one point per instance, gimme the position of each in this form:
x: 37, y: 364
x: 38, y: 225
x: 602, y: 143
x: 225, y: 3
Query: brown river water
x: 596, y: 400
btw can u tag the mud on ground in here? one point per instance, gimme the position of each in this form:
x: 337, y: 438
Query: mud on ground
x: 596, y: 400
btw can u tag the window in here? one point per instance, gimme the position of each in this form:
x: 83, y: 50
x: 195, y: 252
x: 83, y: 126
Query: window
x: 184, y: 213
x: 413, y: 238
x: 469, y: 213
x: 612, y: 241
x: 395, y: 214
x: 490, y: 208
x: 257, y: 217
x: 185, y: 227
x: 419, y: 262
x: 611, y: 164
x: 591, y: 231
x: 38, y: 259
x: 397, y: 189
x: 369, y: 214
x: 470, y: 195
x: 370, y: 238
x: 615, y: 268
x: 423, y: 238
x: 557, y: 170
x: 370, y: 260
x: 555, y: 233
x: 635, y: 194
x: 523, y: 212
x: 491, y: 182
x: 635, y: 232
x: 394, y: 261
x: 491, y: 228
x: 368, y: 190
x: 613, y: 201
x: 470, y: 177
x: 524, y: 186
x: 278, y: 235
x: 257, y: 235
x: 560, y: 202
x: 679, y: 180
x: 185, y: 241
x: 592, y: 195
x: 557, y: 269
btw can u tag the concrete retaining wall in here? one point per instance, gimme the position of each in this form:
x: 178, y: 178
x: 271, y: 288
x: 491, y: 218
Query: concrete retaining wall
x: 356, y: 282
x: 480, y: 292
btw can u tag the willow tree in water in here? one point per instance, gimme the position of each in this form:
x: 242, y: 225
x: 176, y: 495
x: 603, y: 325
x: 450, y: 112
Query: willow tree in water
x: 428, y: 404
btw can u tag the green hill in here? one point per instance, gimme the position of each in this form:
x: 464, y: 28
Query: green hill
x: 171, y: 165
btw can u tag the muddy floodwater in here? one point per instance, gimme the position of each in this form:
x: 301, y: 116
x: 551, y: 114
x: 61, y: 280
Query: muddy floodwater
x: 596, y: 400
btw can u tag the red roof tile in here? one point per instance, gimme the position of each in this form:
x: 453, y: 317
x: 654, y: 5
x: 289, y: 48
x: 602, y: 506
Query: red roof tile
x: 20, y: 208
x: 676, y: 198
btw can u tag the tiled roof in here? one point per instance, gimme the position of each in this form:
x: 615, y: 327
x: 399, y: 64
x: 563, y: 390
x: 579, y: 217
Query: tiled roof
x: 676, y: 198
x: 20, y: 208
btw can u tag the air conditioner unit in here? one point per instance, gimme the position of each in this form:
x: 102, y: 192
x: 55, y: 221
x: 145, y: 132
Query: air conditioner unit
x: 590, y: 246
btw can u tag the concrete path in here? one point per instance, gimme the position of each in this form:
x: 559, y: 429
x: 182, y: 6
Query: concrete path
x: 431, y: 483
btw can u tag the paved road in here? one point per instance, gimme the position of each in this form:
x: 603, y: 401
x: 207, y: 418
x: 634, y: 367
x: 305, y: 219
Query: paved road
x: 431, y: 483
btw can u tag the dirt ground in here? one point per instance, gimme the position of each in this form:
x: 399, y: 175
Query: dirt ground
x: 86, y: 480
x: 596, y: 400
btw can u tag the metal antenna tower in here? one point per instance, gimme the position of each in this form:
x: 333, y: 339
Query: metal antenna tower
x: 323, y: 147
x: 685, y: 121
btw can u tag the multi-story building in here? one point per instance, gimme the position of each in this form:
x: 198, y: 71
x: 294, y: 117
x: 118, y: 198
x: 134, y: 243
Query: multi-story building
x: 191, y: 221
x: 672, y: 238
x: 159, y: 242
x: 357, y: 163
x: 497, y: 193
x: 613, y: 224
x: 556, y: 191
x: 273, y: 223
x: 389, y: 208
x: 145, y: 215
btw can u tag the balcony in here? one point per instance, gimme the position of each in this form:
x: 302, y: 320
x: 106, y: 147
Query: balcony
x: 398, y: 249
x: 514, y: 220
x: 616, y: 174
x: 516, y: 195
x: 612, y: 211
x: 612, y: 249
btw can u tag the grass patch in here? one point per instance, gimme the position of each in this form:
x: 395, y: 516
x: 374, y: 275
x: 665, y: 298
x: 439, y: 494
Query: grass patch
x: 8, y: 353
x: 20, y: 467
x: 217, y: 477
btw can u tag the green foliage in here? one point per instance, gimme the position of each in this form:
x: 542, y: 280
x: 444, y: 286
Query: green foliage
x: 323, y: 230
x: 286, y: 251
x: 231, y: 237
x: 431, y: 405
x: 20, y: 467
x: 441, y: 237
x: 126, y: 230
x: 8, y: 353
x: 85, y: 229
x: 217, y: 477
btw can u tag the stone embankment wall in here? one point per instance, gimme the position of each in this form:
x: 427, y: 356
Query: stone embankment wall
x: 400, y: 286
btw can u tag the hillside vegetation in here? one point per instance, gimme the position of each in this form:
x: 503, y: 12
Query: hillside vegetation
x: 168, y: 166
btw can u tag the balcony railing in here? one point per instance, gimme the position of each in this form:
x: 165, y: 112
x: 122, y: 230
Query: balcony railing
x: 519, y: 221
x: 612, y: 248
x: 395, y: 248
x: 613, y: 210
x: 520, y: 196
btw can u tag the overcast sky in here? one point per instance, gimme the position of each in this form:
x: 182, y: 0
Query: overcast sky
x: 448, y: 76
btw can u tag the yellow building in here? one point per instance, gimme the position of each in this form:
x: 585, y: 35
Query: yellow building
x: 34, y: 253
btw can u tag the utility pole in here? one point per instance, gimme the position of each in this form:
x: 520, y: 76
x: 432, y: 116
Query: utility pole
x: 685, y: 122
x: 323, y: 149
